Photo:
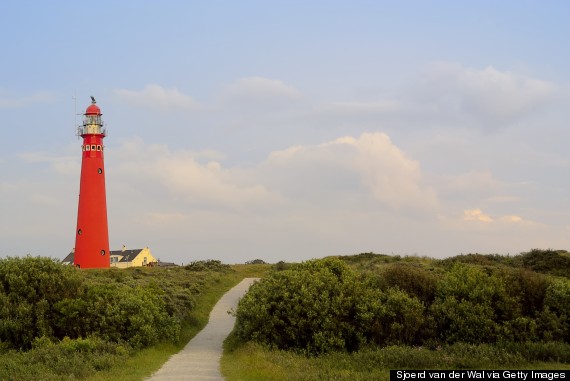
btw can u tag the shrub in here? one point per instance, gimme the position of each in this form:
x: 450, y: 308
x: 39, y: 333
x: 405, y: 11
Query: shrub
x: 117, y: 312
x: 471, y: 306
x: 281, y: 265
x: 315, y: 307
x: 29, y: 288
x: 208, y: 265
x: 547, y: 261
x: 41, y: 298
x: 411, y: 278
x: 255, y: 262
x: 398, y: 318
x: 527, y: 287
x: 460, y: 320
x: 557, y: 301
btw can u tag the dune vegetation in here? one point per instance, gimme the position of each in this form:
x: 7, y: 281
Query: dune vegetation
x: 356, y: 317
x: 60, y: 323
x: 344, y: 318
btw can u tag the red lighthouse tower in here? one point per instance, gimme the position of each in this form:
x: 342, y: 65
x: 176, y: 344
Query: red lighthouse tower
x: 92, y: 234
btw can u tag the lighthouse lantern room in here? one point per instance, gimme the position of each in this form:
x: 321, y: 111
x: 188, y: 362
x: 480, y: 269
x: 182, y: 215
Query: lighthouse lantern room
x: 92, y: 235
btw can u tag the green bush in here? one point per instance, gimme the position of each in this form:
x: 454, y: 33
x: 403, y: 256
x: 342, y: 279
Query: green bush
x: 397, y: 319
x: 472, y: 306
x: 411, y: 278
x: 41, y: 298
x: 547, y: 261
x: 281, y: 265
x: 460, y: 320
x: 117, y: 312
x: 29, y: 288
x: 557, y: 301
x: 315, y: 307
x: 527, y: 287
x: 208, y: 265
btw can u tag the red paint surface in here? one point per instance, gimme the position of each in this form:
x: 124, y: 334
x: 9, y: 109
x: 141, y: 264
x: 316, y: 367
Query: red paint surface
x: 92, y: 233
x: 93, y: 109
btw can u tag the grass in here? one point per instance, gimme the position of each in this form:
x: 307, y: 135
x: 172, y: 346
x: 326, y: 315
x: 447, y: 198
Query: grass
x: 253, y: 362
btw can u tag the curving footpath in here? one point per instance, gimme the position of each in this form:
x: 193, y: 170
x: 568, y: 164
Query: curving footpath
x: 200, y: 358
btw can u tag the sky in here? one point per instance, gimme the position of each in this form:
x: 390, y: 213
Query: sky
x: 289, y: 130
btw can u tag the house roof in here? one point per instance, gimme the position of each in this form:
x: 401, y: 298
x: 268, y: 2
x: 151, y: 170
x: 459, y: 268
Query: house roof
x: 70, y: 257
x: 128, y: 255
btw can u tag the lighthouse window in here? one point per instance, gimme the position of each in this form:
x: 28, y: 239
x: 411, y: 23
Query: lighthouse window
x: 100, y: 170
x: 79, y: 232
x: 93, y: 147
x: 103, y: 252
x: 99, y: 148
x: 87, y: 148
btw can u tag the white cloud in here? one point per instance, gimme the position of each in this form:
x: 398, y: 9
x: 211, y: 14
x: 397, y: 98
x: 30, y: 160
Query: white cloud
x: 390, y: 174
x: 512, y: 219
x: 257, y: 100
x: 474, y: 181
x: 487, y: 95
x: 260, y: 88
x: 157, y: 98
x: 160, y: 219
x: 307, y: 180
x: 473, y: 186
x: 330, y: 196
x: 446, y: 95
x: 369, y: 167
x: 183, y: 176
x: 479, y: 216
x: 476, y: 215
x: 354, y: 108
x: 65, y: 165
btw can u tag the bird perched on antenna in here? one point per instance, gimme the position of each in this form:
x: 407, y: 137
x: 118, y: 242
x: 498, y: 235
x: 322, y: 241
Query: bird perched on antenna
x: 93, y: 99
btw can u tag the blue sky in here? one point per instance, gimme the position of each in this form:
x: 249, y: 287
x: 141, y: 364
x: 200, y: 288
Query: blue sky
x: 288, y: 130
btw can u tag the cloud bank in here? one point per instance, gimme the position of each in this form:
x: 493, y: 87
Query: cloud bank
x: 426, y: 169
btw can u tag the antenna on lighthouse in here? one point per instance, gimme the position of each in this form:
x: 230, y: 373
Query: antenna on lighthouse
x: 75, y: 113
x: 93, y: 99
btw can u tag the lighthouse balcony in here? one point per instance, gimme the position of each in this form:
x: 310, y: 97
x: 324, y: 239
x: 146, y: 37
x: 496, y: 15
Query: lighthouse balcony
x: 91, y: 129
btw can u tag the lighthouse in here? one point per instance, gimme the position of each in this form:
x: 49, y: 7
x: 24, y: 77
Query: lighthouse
x: 92, y: 233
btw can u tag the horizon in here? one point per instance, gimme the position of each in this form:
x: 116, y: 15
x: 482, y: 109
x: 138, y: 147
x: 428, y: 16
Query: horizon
x: 290, y: 130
